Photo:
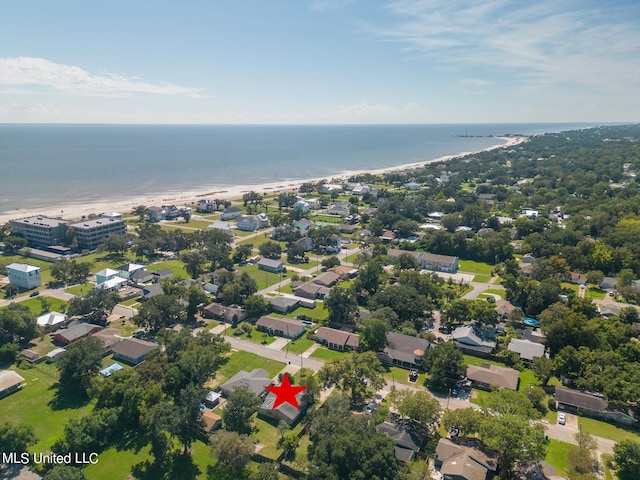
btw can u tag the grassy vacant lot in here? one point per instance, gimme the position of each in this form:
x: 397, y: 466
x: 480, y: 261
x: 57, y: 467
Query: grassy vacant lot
x: 36, y: 307
x: 80, y: 290
x: 318, y: 314
x: 324, y: 353
x: 263, y: 279
x: 267, y: 436
x: 596, y: 293
x: 38, y: 404
x: 246, y: 361
x: 326, y: 219
x: 558, y: 456
x: 401, y: 375
x: 570, y: 286
x: 176, y: 266
x: 255, y: 336
x: 471, y: 266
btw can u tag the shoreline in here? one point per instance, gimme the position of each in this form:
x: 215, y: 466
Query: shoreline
x: 74, y: 211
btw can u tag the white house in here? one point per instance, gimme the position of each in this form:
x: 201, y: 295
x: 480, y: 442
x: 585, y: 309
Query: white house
x: 222, y: 226
x: 51, y: 321
x: 105, y: 274
x: 23, y: 275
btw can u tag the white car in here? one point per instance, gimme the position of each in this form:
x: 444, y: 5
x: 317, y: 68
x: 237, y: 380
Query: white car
x: 561, y: 419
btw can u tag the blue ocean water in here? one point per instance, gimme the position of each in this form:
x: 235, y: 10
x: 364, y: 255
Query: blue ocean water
x: 54, y: 165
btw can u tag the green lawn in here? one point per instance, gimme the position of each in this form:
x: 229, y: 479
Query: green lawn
x: 255, y: 336
x: 263, y: 279
x: 39, y: 405
x: 36, y: 307
x: 608, y: 430
x: 401, y: 375
x: 176, y: 266
x: 246, y: 361
x: 558, y: 456
x: 606, y: 461
x: 266, y: 435
x: 497, y: 291
x: 80, y: 290
x: 199, y: 224
x: 482, y: 278
x: 570, y: 286
x: 324, y: 353
x: 326, y: 219
x: 299, y: 345
x: 596, y: 293
x: 318, y: 314
x: 471, y: 266
x: 259, y: 240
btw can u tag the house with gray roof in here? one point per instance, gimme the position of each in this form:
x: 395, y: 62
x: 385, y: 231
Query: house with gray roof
x: 327, y: 279
x: 575, y: 401
x: 311, y: 291
x: 403, y: 350
x: 283, y: 304
x: 270, y: 265
x: 283, y: 412
x: 255, y: 381
x: 231, y: 213
x: 133, y: 350
x: 407, y: 436
x: 75, y: 333
x: 10, y: 382
x: 467, y: 339
x: 527, y: 349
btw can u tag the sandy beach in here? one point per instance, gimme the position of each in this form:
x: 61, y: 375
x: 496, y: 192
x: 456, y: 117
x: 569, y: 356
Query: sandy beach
x: 75, y: 211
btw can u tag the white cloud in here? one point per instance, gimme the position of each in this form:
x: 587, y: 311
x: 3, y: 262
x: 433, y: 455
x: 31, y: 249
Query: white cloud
x: 44, y: 74
x: 541, y: 43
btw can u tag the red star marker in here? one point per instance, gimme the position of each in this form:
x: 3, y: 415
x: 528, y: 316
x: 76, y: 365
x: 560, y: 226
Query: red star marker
x: 286, y: 393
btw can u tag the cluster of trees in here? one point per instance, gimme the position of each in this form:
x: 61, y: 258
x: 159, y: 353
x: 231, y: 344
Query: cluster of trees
x: 69, y: 272
x: 94, y: 307
x: 17, y: 326
x: 504, y: 425
x: 159, y: 400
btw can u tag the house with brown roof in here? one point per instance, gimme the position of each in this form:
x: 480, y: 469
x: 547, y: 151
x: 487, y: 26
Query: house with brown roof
x: 219, y: 311
x: 345, y: 272
x: 327, y: 279
x: 311, y: 291
x: 575, y: 401
x: 487, y: 377
x: 212, y: 421
x: 281, y: 327
x: 337, y: 339
x: 133, y: 350
x: 457, y: 461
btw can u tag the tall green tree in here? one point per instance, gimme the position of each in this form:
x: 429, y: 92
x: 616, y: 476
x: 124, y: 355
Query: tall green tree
x: 420, y: 406
x: 373, y: 335
x: 240, y: 406
x: 16, y: 438
x: 445, y: 364
x: 188, y: 421
x: 81, y: 361
x: 342, y: 305
x: 352, y: 373
x: 626, y: 455
x: 232, y: 449
x: 17, y: 324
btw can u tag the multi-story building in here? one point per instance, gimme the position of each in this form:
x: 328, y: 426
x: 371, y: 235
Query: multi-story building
x: 25, y: 276
x: 91, y: 233
x: 40, y: 231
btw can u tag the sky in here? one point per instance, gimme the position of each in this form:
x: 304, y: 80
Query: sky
x: 319, y: 61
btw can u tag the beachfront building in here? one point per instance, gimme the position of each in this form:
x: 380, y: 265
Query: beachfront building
x: 231, y: 213
x: 91, y: 233
x: 24, y: 276
x: 223, y: 227
x: 40, y: 231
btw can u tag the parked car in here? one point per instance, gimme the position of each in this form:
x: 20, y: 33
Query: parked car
x: 34, y: 294
x: 561, y: 419
x: 371, y: 406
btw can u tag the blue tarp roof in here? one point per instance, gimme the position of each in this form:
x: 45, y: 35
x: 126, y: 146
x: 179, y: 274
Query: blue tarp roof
x: 110, y: 369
